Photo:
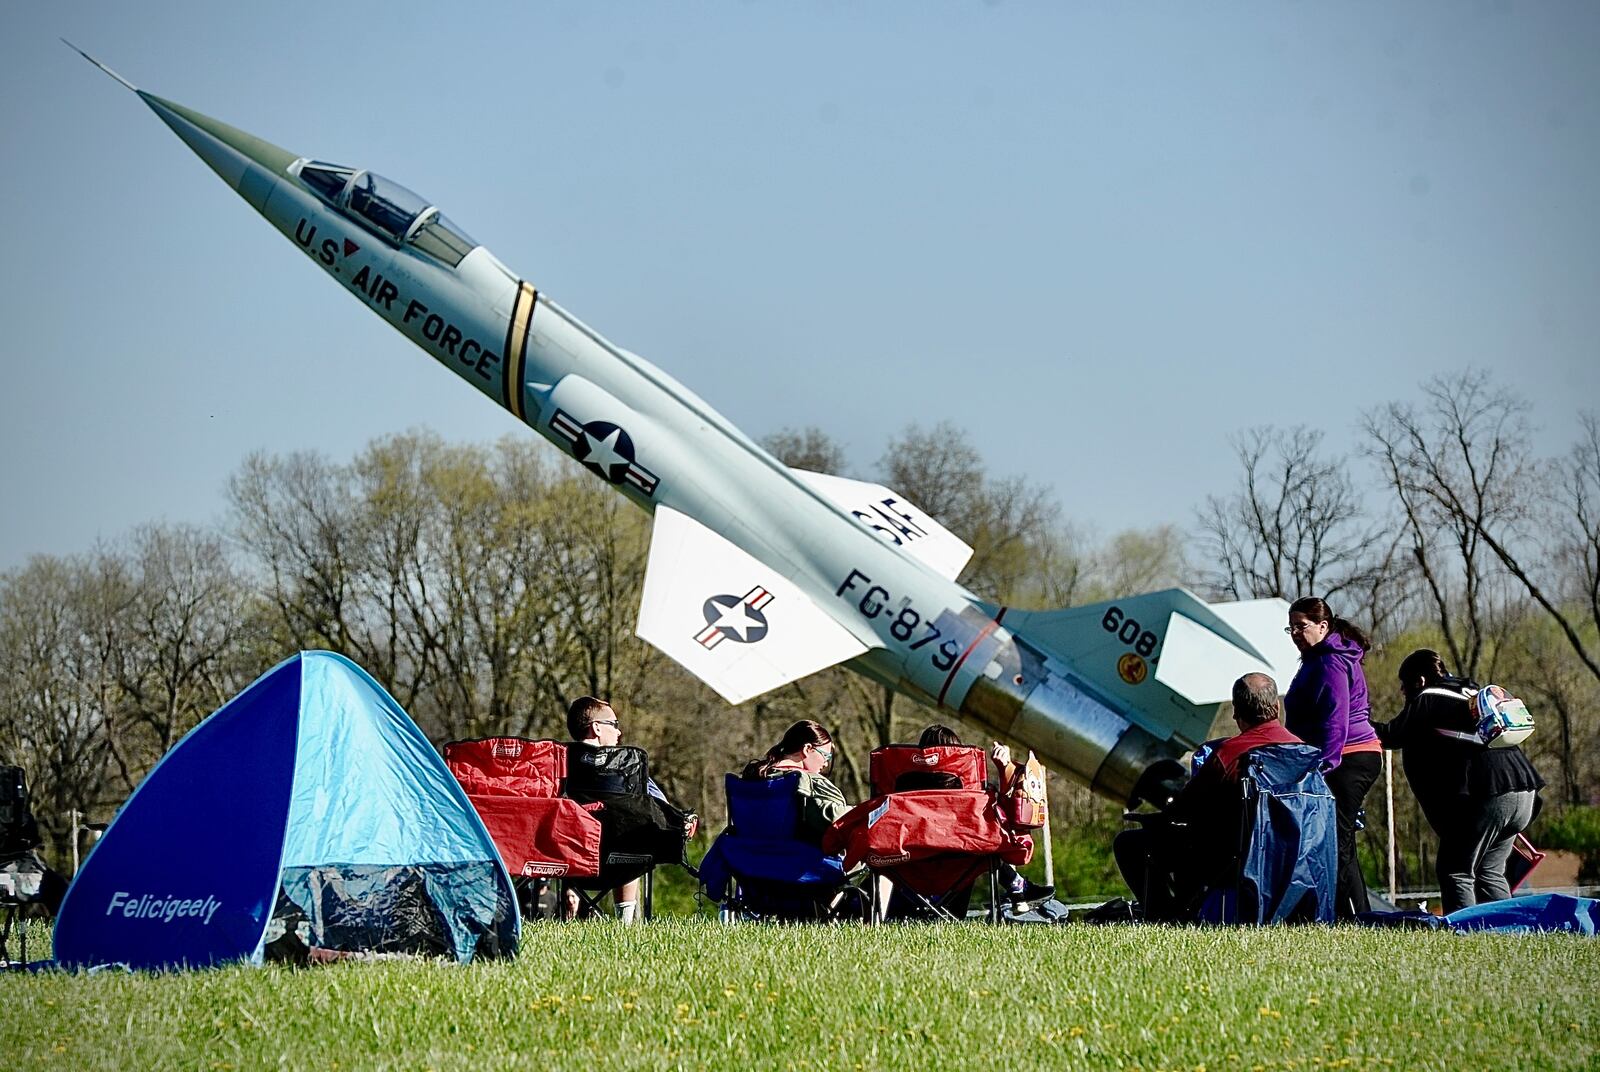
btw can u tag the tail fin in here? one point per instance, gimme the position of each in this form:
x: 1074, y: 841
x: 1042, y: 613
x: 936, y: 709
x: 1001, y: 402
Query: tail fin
x: 1168, y: 659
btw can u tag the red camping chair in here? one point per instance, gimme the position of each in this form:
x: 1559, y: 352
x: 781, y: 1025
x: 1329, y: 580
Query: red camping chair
x: 515, y: 785
x: 934, y: 844
x: 898, y: 767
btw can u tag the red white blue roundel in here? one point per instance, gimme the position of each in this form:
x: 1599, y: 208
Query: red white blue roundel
x: 606, y: 450
x: 736, y: 618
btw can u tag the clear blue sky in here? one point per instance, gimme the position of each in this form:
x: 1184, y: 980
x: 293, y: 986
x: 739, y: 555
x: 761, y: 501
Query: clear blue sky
x: 1100, y: 237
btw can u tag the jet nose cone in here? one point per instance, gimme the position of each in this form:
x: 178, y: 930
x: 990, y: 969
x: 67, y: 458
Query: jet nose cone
x: 229, y: 151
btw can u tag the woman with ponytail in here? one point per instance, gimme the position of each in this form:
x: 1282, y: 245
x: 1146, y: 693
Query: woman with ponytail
x: 1477, y: 799
x: 1327, y: 706
x: 807, y: 748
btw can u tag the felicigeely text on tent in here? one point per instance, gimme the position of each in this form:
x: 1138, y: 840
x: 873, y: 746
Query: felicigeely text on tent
x: 166, y: 909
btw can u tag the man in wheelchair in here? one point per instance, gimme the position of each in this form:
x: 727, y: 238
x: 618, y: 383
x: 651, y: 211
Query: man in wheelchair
x: 1192, y: 840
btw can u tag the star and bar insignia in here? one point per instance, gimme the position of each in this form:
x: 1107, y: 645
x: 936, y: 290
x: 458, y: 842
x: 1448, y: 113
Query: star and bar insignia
x: 605, y: 450
x: 735, y: 618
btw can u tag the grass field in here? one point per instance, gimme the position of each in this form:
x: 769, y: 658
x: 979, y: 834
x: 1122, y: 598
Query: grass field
x: 696, y: 994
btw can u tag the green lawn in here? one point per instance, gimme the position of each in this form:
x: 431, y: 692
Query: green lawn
x: 696, y: 994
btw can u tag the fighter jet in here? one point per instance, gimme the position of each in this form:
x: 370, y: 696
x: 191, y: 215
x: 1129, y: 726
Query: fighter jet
x: 759, y: 574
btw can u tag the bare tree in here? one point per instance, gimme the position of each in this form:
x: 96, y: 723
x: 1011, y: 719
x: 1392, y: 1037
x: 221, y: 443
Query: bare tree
x: 172, y: 614
x: 51, y: 723
x: 488, y: 620
x: 1007, y: 521
x: 1567, y: 583
x: 1458, y: 468
x: 1580, y: 544
x: 393, y: 568
x: 1139, y: 560
x: 596, y: 548
x: 807, y: 448
x: 1064, y: 571
x: 1558, y: 685
x: 1294, y: 526
x: 294, y: 517
x: 941, y: 471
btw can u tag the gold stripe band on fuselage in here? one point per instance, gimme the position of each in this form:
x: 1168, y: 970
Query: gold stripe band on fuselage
x: 517, y: 348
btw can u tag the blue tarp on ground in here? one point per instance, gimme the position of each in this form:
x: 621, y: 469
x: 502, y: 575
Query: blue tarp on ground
x: 1535, y: 912
x: 309, y: 811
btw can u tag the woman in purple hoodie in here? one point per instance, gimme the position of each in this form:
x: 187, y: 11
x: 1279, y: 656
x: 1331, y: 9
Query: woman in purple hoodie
x: 1326, y: 706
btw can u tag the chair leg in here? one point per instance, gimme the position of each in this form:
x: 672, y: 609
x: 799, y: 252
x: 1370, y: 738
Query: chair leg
x: 587, y: 902
x: 934, y: 906
x: 830, y: 914
x: 16, y: 921
x: 649, y: 894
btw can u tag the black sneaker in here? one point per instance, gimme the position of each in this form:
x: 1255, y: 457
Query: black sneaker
x: 1031, y: 891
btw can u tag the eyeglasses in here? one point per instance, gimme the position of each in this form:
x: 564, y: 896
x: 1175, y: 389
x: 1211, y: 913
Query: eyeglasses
x: 1293, y: 629
x: 825, y: 753
x: 613, y: 723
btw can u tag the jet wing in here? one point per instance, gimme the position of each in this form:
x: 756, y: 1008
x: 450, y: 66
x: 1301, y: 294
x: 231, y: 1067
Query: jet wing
x: 895, y: 519
x: 736, y: 624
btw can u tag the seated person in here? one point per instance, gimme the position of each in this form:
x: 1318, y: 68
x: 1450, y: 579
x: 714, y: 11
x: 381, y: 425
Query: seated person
x: 592, y: 721
x: 937, y: 736
x: 808, y: 748
x: 24, y: 878
x: 1169, y: 863
x: 1018, y: 889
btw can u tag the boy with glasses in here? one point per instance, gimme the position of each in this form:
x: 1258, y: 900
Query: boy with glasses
x: 593, y: 722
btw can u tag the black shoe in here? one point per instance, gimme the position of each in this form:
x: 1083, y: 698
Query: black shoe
x: 1031, y: 891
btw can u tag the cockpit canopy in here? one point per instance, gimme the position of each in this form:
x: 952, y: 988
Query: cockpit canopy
x: 386, y: 208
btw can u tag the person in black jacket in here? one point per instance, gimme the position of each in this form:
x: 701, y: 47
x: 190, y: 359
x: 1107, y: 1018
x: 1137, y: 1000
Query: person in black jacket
x: 1476, y: 798
x: 24, y: 878
x: 639, y: 824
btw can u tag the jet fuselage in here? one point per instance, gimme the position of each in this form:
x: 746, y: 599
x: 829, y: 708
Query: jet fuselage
x: 659, y: 444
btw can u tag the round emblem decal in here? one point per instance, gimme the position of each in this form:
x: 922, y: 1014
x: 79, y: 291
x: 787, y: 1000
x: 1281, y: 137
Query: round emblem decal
x: 1132, y: 668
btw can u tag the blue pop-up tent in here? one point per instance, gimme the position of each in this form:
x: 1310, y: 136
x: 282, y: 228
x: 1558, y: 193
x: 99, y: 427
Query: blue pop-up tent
x: 307, y: 814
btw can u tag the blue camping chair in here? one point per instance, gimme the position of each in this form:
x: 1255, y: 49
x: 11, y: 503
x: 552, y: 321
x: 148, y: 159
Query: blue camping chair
x: 1288, y: 859
x: 758, y: 869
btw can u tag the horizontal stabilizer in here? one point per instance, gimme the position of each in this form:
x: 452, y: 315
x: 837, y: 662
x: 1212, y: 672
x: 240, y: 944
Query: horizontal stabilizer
x: 1168, y: 659
x: 1261, y: 622
x: 730, y: 620
x: 894, y: 519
